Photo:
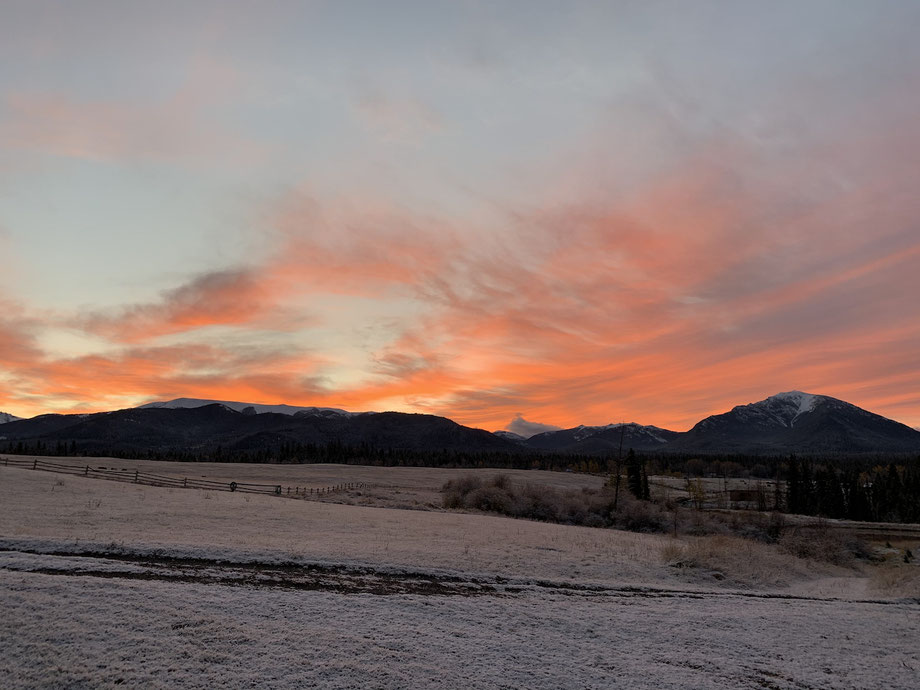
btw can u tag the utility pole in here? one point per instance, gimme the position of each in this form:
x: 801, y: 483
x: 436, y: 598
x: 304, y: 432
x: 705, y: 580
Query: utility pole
x: 616, y: 480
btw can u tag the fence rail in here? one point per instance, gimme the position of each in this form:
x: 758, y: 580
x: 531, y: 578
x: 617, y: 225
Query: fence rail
x: 149, y: 479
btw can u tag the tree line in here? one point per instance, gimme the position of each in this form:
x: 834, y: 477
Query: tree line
x: 883, y: 493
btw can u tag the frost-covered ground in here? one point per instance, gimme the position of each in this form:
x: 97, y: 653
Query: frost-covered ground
x: 400, y: 487
x: 93, y: 632
x: 103, y: 584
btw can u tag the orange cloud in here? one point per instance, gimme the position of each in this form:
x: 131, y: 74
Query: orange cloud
x: 698, y: 291
x: 130, y: 376
x: 222, y: 298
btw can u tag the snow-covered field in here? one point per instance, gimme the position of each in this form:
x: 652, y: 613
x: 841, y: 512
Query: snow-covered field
x: 105, y: 583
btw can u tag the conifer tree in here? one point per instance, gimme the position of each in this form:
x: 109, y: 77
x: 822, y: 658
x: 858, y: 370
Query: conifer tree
x: 633, y: 474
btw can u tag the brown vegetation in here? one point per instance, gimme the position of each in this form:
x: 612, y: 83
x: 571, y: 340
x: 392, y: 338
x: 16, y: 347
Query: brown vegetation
x: 587, y: 507
x: 741, y: 547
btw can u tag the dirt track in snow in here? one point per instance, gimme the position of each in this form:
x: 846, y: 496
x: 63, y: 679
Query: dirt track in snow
x: 345, y: 579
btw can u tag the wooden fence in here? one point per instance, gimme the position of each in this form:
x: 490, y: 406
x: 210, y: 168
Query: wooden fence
x: 138, y: 477
x: 307, y: 491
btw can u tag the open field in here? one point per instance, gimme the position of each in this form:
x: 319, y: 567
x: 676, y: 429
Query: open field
x: 106, y: 583
x: 398, y: 487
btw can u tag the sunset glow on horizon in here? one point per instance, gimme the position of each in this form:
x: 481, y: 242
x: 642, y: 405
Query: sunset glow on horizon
x: 559, y: 213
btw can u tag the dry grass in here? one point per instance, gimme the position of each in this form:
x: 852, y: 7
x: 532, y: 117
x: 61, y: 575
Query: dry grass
x: 824, y: 545
x: 413, y: 488
x: 45, y: 505
x: 191, y: 519
x: 896, y: 579
x: 738, y: 561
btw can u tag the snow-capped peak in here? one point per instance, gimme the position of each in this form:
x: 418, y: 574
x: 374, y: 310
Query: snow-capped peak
x: 7, y: 417
x: 582, y: 432
x: 782, y: 408
x: 805, y: 402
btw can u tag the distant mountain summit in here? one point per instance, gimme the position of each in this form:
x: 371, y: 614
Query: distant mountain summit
x: 798, y: 422
x: 593, y: 440
x: 510, y: 436
x: 7, y: 417
x: 249, y: 408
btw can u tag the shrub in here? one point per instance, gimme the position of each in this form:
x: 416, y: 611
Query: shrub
x: 456, y: 490
x: 641, y: 516
x: 819, y: 543
x: 531, y: 501
x: 490, y: 499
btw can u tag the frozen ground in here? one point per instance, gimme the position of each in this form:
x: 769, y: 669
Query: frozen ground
x: 396, y: 487
x: 106, y: 584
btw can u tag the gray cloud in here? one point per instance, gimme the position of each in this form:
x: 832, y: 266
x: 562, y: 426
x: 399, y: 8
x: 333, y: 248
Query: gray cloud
x: 522, y: 427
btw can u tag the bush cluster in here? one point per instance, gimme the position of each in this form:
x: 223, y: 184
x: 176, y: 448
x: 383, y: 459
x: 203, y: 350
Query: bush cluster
x: 819, y: 543
x: 595, y: 508
x: 587, y: 507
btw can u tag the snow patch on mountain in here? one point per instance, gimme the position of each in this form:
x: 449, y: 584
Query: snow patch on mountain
x: 782, y: 409
x: 7, y: 417
x: 509, y: 436
x: 804, y: 402
x: 582, y: 432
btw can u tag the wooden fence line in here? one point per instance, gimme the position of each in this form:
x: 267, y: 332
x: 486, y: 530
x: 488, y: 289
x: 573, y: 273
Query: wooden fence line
x: 148, y: 479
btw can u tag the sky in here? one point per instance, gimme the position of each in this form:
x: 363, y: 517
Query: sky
x: 517, y: 215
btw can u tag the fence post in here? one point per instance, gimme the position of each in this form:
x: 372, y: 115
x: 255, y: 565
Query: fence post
x: 86, y: 471
x: 135, y: 476
x: 184, y: 482
x: 35, y: 464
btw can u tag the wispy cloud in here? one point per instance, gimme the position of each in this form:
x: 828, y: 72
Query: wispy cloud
x: 186, y: 126
x: 397, y: 119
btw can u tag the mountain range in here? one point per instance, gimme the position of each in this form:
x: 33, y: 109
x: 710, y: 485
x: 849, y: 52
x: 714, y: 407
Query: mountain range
x: 248, y: 408
x: 792, y: 422
x: 784, y: 423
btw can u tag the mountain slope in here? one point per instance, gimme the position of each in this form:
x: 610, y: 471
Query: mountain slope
x: 602, y: 440
x: 186, y: 403
x: 510, y: 436
x: 206, y: 427
x: 6, y: 417
x: 798, y: 422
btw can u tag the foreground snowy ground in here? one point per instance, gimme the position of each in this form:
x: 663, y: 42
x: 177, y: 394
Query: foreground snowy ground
x: 104, y: 584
